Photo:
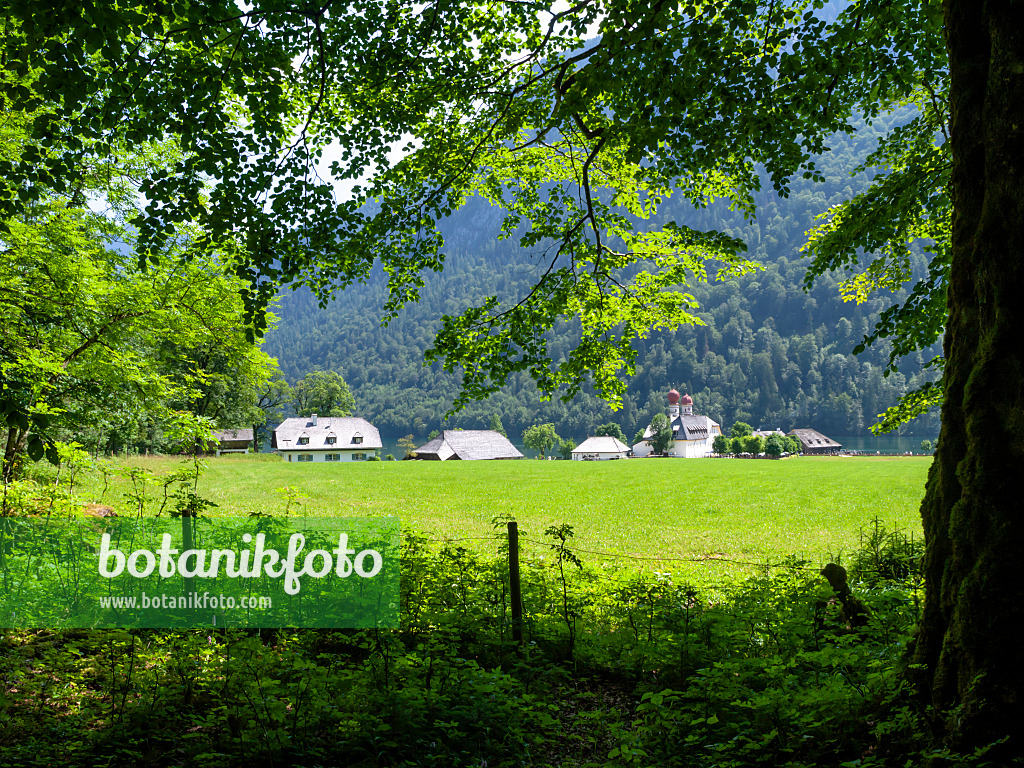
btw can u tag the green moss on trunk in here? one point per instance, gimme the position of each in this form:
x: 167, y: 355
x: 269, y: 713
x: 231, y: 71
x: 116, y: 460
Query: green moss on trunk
x: 973, y: 512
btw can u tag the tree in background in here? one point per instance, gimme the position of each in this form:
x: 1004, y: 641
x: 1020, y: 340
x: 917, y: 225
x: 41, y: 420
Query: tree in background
x: 736, y: 445
x: 926, y: 446
x: 541, y: 437
x: 98, y: 348
x: 720, y: 444
x: 661, y: 437
x: 565, y: 448
x: 324, y: 393
x: 408, y: 444
x: 222, y: 377
x: 274, y: 398
x: 741, y: 429
x: 753, y: 444
x: 496, y: 425
x: 775, y: 445
x: 611, y: 429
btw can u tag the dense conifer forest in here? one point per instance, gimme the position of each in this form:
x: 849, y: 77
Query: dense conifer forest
x: 770, y: 353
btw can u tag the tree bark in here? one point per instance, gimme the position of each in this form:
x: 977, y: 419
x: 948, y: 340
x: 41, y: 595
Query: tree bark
x: 14, y: 447
x: 969, y: 641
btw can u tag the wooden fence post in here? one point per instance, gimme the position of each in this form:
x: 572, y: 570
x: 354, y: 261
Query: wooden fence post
x: 514, y: 586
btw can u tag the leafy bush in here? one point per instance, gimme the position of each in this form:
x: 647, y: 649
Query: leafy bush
x: 885, y: 555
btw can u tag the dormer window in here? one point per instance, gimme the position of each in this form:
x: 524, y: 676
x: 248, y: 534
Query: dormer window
x: 331, y: 439
x: 357, y: 439
x: 303, y: 440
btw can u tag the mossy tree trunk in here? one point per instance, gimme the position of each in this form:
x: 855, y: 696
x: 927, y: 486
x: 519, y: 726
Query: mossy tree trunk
x: 970, y: 640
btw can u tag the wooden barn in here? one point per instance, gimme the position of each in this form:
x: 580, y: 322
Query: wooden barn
x: 812, y: 441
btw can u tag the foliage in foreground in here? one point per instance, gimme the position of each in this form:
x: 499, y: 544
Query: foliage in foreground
x: 618, y: 668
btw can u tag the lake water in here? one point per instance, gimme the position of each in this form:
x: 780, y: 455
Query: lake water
x: 885, y: 444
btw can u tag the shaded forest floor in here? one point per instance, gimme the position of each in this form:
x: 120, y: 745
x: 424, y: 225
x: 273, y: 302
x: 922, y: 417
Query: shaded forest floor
x: 619, y: 667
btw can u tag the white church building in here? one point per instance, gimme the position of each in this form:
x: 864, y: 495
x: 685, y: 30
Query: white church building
x: 692, y: 435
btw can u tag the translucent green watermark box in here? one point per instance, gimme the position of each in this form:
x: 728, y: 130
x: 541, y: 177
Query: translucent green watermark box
x: 310, y: 572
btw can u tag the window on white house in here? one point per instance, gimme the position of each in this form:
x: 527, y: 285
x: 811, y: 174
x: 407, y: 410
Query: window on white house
x: 304, y: 457
x: 357, y: 439
x: 358, y: 457
x: 332, y: 457
x: 331, y: 440
x: 304, y: 440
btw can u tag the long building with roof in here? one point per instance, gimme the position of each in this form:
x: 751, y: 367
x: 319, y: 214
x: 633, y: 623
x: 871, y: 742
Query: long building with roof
x: 692, y: 434
x: 812, y: 441
x: 467, y: 445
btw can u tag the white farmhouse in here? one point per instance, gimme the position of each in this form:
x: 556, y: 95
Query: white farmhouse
x: 692, y: 435
x: 327, y: 438
x: 600, y: 448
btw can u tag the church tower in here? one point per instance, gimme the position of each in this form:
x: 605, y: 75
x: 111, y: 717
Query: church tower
x: 687, y: 404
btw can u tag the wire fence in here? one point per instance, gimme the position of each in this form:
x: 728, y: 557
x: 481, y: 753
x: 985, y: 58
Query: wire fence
x: 708, y: 559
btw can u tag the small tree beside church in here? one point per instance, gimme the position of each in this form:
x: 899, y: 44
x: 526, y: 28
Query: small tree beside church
x: 661, y: 438
x: 720, y: 444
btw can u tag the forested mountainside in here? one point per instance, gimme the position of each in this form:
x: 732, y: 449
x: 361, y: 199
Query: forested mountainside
x: 769, y: 353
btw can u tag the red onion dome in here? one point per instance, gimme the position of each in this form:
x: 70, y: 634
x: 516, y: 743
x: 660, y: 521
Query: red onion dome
x: 673, y: 397
x: 687, y: 400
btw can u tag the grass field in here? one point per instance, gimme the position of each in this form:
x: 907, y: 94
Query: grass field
x: 713, y: 509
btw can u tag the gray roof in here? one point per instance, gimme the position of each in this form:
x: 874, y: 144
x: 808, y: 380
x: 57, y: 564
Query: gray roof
x: 469, y: 445
x: 601, y: 444
x: 344, y: 428
x: 233, y: 435
x: 813, y: 439
x: 692, y: 427
x: 688, y: 428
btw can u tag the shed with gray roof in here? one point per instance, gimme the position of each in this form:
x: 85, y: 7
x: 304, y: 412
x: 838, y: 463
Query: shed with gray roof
x: 467, y: 445
x: 233, y: 440
x: 600, y: 448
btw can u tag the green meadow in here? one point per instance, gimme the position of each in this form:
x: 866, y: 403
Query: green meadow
x: 710, y: 511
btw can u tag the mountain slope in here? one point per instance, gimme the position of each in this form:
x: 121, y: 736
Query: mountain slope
x: 769, y: 353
